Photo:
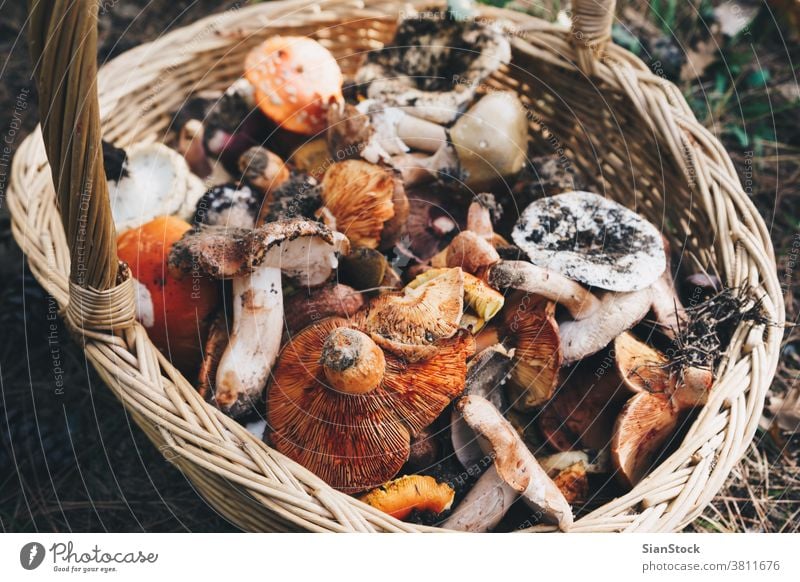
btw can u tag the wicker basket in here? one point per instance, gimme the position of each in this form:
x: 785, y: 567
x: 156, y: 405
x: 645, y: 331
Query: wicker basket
x: 625, y: 130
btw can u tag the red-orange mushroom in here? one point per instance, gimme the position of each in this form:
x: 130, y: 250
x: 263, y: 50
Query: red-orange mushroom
x: 295, y: 79
x: 176, y: 311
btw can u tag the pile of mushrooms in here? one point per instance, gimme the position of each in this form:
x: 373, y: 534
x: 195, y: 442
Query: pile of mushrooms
x: 350, y: 278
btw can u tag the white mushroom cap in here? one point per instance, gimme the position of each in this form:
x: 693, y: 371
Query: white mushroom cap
x: 591, y: 239
x: 158, y: 183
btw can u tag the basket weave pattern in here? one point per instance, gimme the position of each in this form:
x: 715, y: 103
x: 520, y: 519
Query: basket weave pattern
x: 625, y: 130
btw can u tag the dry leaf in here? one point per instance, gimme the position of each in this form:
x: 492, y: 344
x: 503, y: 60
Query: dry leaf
x: 698, y: 59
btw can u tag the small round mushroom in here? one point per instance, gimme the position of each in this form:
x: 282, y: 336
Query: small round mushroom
x: 295, y: 80
x: 515, y: 473
x: 434, y: 66
x: 255, y: 260
x: 263, y: 170
x: 409, y: 493
x: 355, y: 435
x: 591, y: 239
x: 156, y: 182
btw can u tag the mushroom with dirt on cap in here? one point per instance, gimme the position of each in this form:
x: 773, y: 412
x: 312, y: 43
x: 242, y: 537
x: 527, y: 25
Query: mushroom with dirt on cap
x: 434, y: 65
x: 411, y: 322
x: 514, y: 474
x: 346, y: 409
x: 255, y: 259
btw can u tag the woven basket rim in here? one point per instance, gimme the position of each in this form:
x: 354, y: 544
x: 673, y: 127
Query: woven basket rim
x: 217, y: 453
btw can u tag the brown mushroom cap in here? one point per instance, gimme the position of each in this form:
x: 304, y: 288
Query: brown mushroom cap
x: 400, y: 497
x: 225, y: 253
x: 410, y: 321
x: 531, y: 323
x: 471, y: 252
x: 359, y: 196
x: 646, y: 369
x: 357, y: 441
x: 573, y: 482
x: 642, y: 367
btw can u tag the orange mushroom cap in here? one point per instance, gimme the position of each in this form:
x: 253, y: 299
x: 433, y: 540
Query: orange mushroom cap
x: 295, y: 81
x: 358, y: 199
x: 357, y: 439
x: 400, y: 497
x: 409, y: 322
x: 176, y: 311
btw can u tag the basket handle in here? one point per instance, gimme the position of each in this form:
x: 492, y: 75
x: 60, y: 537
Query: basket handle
x: 591, y: 30
x: 63, y: 47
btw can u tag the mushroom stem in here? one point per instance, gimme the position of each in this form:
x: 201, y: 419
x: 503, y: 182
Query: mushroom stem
x: 484, y: 506
x: 420, y: 134
x: 527, y: 277
x: 253, y: 345
x: 353, y: 363
x: 617, y: 313
x: 669, y: 312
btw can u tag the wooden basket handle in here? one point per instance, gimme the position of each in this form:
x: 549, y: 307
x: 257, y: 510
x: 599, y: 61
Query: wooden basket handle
x: 63, y: 46
x: 591, y: 30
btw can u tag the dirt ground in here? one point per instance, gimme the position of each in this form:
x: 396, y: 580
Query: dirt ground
x: 72, y: 460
